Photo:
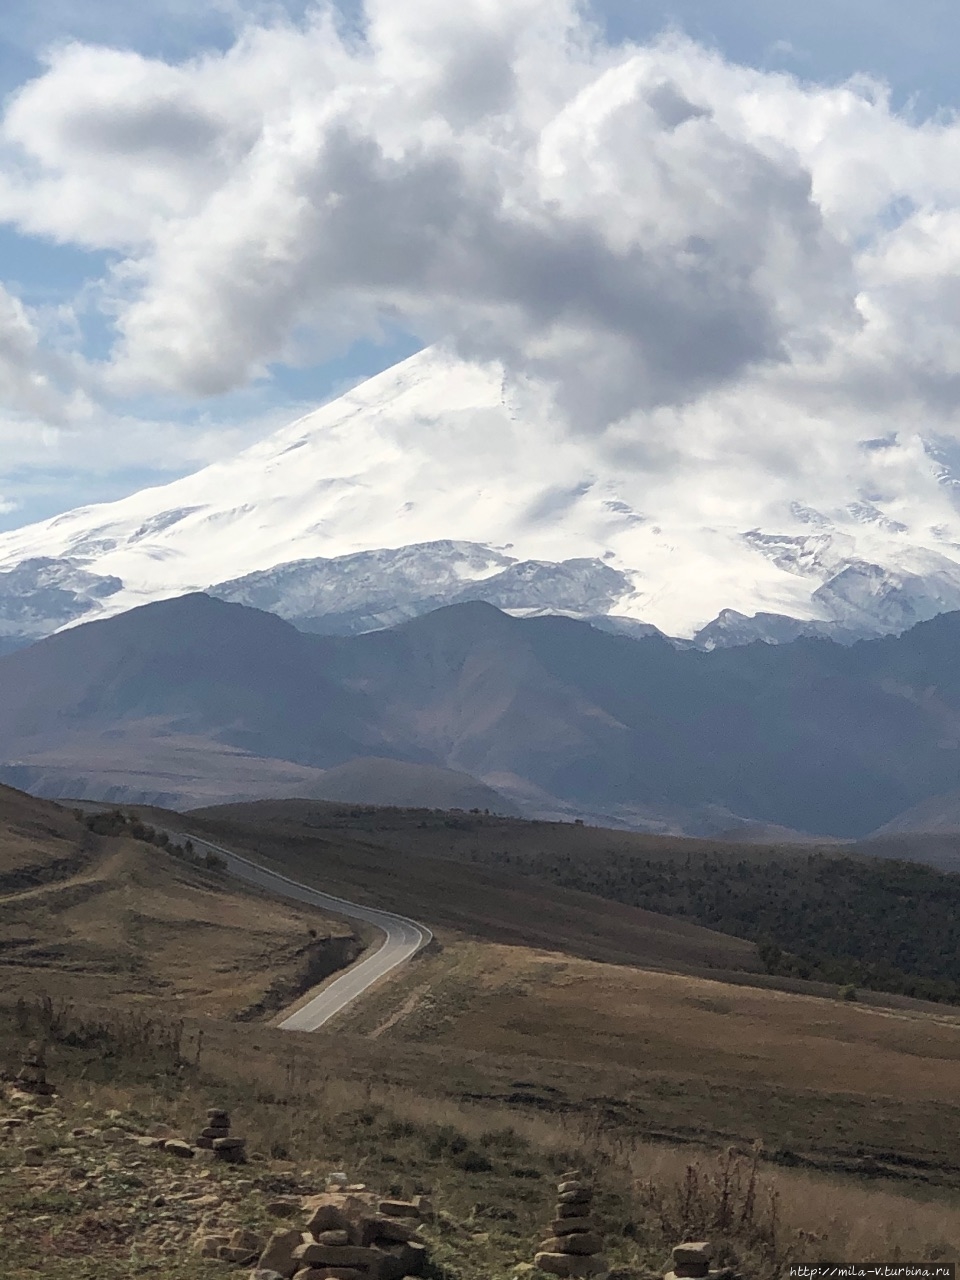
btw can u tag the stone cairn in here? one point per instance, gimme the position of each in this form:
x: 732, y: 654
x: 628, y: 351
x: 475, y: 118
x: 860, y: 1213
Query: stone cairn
x: 350, y: 1234
x: 573, y: 1246
x: 31, y: 1079
x: 216, y: 1138
x: 691, y: 1261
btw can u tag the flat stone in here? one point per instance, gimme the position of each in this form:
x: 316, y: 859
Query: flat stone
x: 263, y: 1274
x: 575, y: 1208
x: 575, y: 1197
x: 571, y: 1175
x: 282, y: 1208
x: 380, y: 1227
x: 692, y: 1252
x: 690, y: 1270
x: 571, y: 1184
x: 177, y: 1147
x: 332, y: 1273
x: 207, y: 1244
x: 242, y: 1257
x: 566, y: 1264
x: 331, y: 1213
x: 564, y: 1226
x: 337, y: 1236
x: 215, y: 1131
x: 279, y: 1253
x: 230, y: 1150
x: 349, y: 1255
x: 33, y: 1157
x: 582, y: 1242
x: 217, y: 1115
x: 398, y: 1209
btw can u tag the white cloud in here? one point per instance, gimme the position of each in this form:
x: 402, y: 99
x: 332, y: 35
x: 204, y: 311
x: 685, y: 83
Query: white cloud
x: 681, y: 244
x: 26, y: 386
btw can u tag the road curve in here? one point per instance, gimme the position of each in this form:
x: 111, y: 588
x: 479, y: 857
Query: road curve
x: 402, y: 937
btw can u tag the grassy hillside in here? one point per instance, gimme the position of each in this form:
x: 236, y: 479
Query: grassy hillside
x: 79, y: 907
x: 101, y: 1204
x: 823, y: 913
x: 493, y: 905
x: 548, y: 1028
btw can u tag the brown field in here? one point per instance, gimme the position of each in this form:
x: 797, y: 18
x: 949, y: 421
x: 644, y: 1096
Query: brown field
x: 546, y: 1028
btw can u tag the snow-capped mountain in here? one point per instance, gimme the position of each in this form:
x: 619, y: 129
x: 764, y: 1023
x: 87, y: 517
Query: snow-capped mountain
x: 440, y: 481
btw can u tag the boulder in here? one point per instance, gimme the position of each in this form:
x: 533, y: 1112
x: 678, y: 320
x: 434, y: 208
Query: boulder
x: 279, y: 1253
x: 33, y: 1157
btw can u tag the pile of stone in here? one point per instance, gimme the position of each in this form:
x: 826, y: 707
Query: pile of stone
x: 349, y: 1235
x: 31, y: 1079
x: 691, y: 1261
x: 573, y: 1246
x: 216, y: 1138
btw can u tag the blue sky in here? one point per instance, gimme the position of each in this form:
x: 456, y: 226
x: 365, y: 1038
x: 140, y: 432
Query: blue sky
x: 911, y: 48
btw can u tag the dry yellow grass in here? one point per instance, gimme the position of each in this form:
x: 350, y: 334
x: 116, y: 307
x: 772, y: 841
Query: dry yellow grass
x: 80, y: 913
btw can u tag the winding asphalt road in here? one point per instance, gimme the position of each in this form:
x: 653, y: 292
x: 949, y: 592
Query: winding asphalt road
x: 402, y: 937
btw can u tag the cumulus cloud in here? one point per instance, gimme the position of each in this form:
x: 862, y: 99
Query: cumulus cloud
x: 661, y: 236
x: 26, y: 386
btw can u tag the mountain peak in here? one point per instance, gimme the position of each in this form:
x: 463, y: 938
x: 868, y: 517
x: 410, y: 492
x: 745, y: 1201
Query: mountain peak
x: 441, y: 479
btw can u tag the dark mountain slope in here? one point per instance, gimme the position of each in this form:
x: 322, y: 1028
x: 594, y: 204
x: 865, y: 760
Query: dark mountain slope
x: 810, y: 735
x: 192, y: 666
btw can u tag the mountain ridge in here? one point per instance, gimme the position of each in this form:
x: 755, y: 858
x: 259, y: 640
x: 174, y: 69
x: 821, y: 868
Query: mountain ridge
x: 810, y: 735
